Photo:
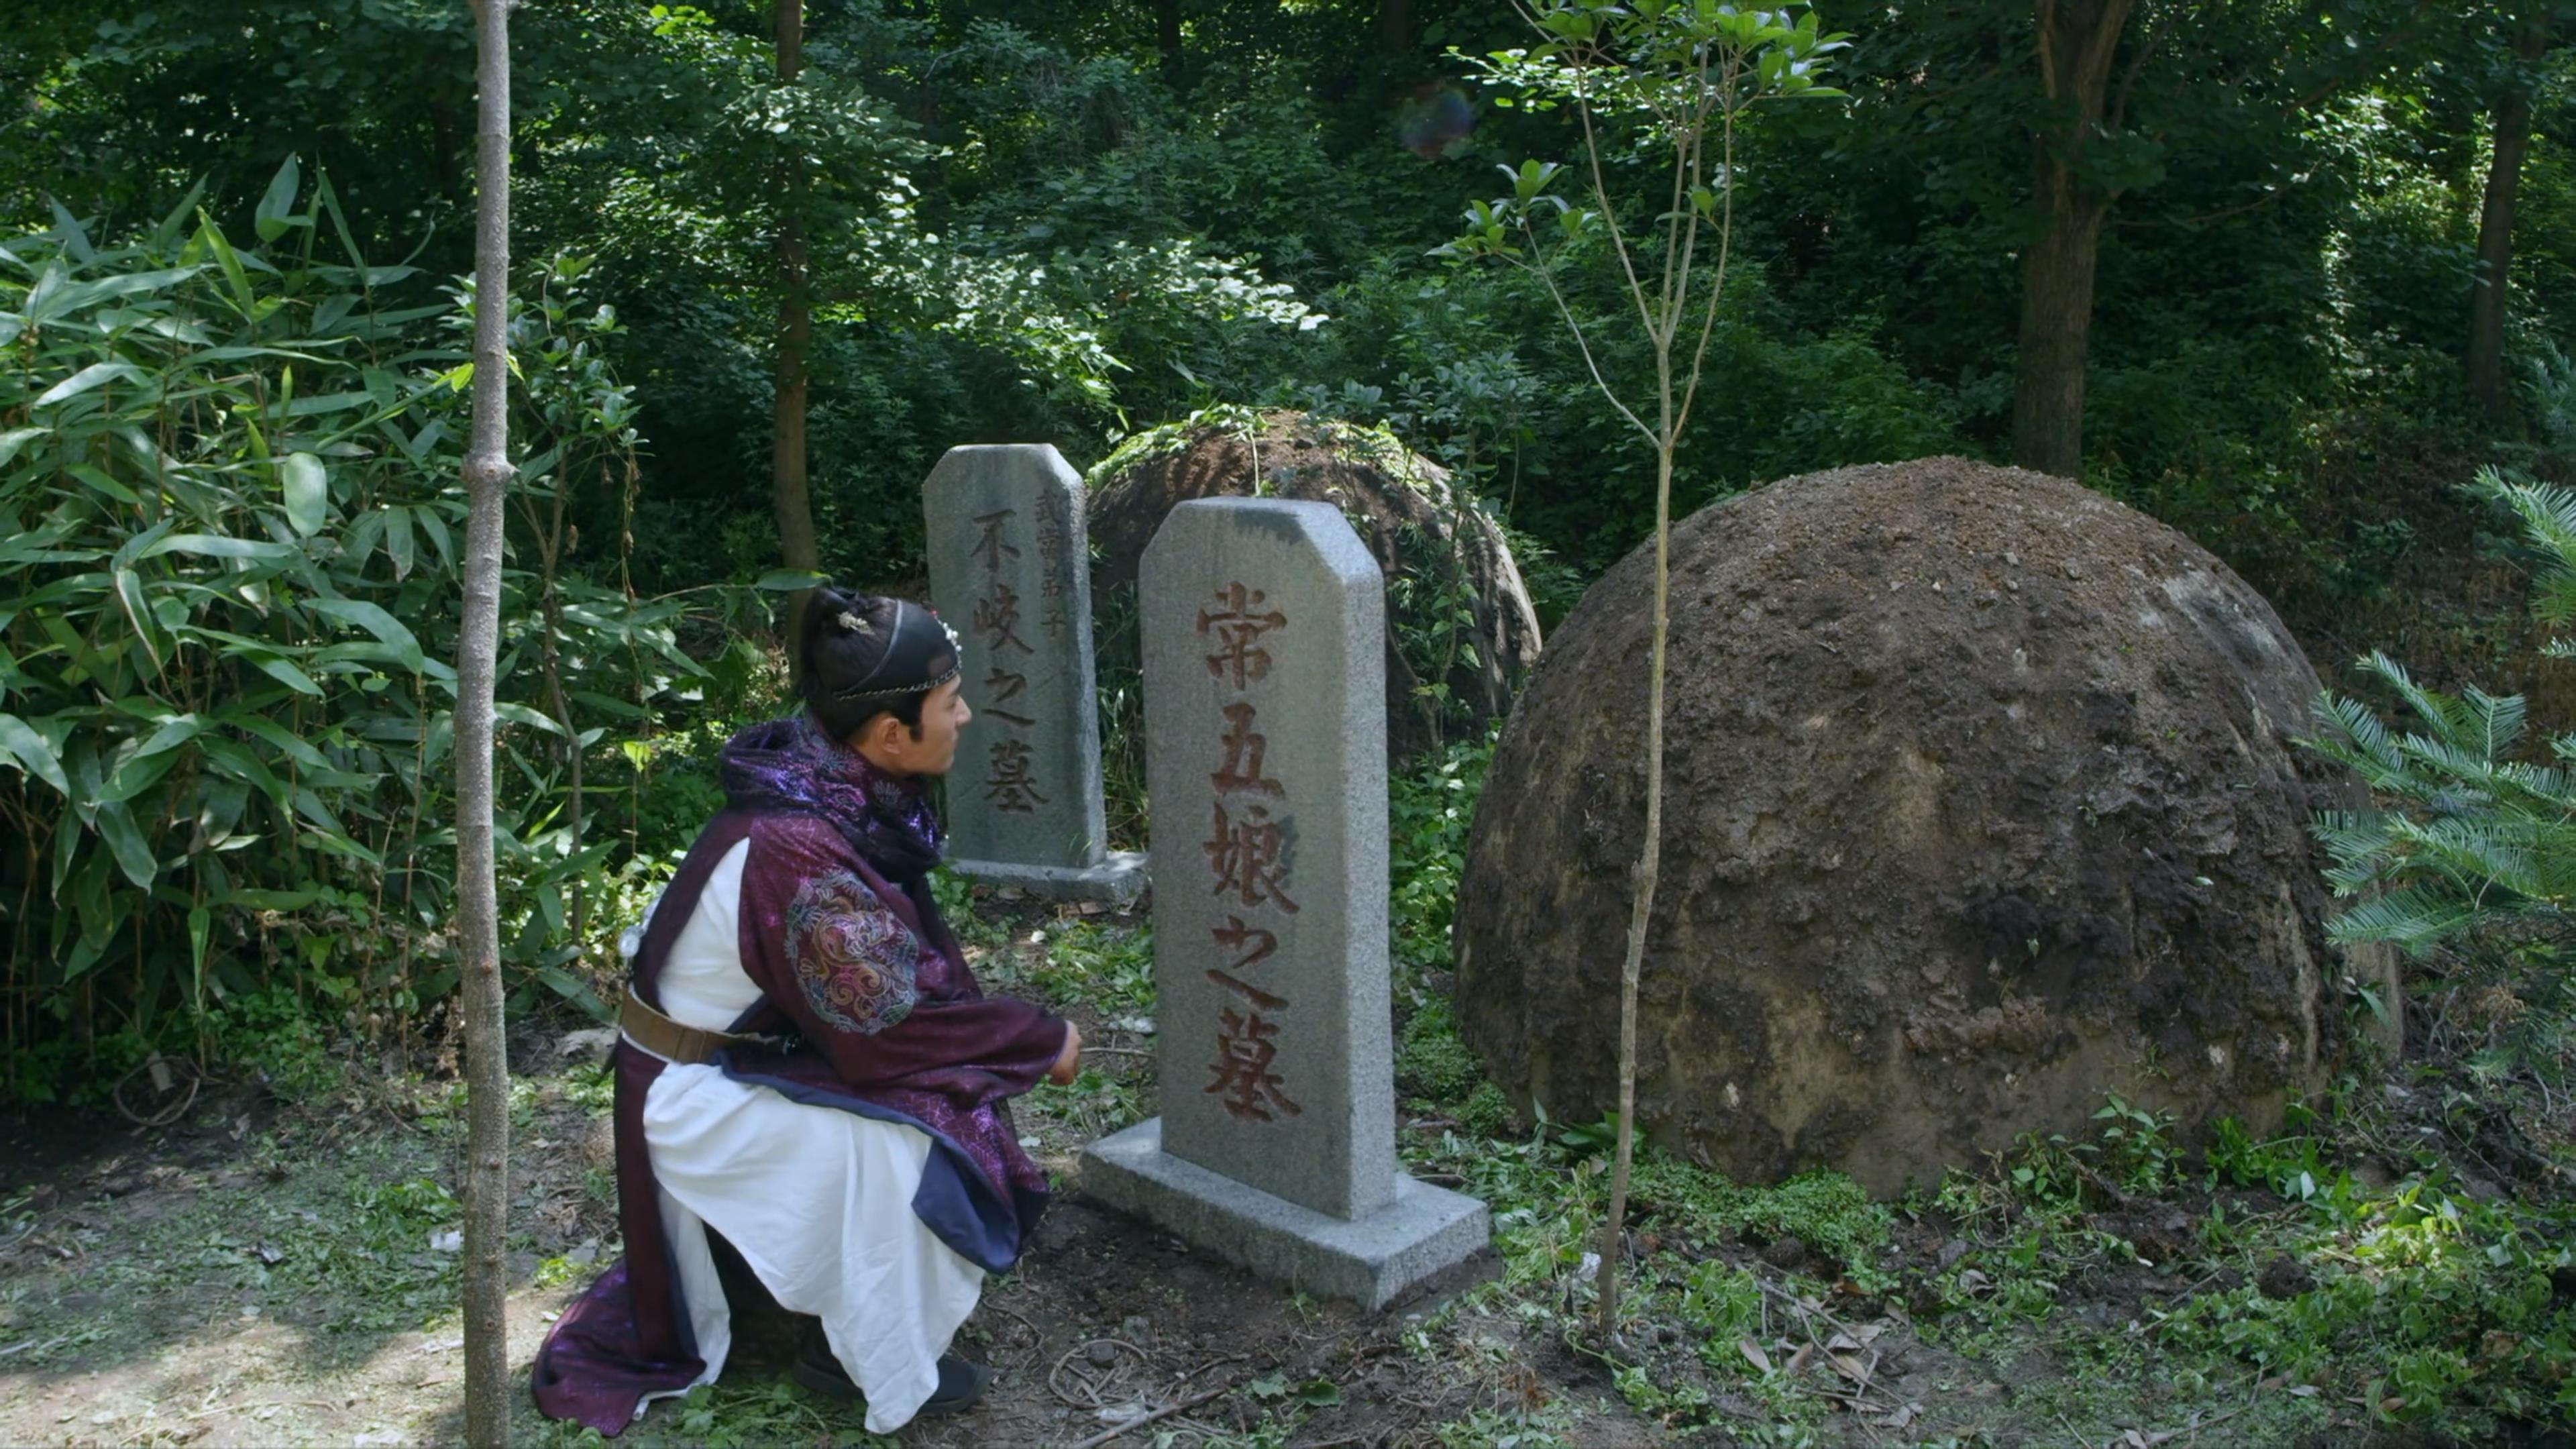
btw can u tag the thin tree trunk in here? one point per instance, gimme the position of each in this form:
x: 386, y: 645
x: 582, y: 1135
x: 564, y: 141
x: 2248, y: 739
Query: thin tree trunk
x: 551, y: 544
x: 2077, y: 40
x: 2487, y: 302
x: 789, y: 499
x: 1642, y: 906
x: 1669, y: 422
x: 478, y: 926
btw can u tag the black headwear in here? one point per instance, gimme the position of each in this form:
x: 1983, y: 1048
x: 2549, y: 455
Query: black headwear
x: 910, y: 664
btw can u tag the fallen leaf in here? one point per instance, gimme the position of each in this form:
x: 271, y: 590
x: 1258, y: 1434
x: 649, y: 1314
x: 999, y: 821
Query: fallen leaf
x: 1798, y: 1360
x: 1848, y: 1366
x: 2303, y: 1391
x: 1753, y: 1354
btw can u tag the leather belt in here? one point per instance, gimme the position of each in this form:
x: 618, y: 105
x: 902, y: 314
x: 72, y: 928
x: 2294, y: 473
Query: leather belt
x: 668, y: 1039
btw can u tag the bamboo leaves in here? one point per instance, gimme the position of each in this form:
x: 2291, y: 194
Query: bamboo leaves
x: 97, y: 374
x: 203, y: 452
x: 308, y: 492
x: 32, y: 753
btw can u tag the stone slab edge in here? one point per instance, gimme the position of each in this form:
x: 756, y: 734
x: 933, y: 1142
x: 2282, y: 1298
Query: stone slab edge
x: 1118, y: 880
x: 1371, y: 1261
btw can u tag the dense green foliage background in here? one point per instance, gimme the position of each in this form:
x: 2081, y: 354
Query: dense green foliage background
x: 1060, y: 223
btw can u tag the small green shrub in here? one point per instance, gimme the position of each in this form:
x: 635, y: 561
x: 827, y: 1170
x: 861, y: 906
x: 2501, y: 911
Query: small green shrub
x: 2471, y: 835
x: 1431, y: 1062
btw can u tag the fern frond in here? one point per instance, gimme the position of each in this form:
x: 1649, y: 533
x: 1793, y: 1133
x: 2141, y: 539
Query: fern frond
x: 2414, y: 919
x: 2548, y: 516
x: 2447, y: 716
x: 2351, y: 723
x: 2499, y: 720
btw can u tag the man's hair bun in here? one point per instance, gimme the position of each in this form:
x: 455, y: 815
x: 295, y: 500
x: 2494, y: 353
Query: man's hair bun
x: 843, y: 640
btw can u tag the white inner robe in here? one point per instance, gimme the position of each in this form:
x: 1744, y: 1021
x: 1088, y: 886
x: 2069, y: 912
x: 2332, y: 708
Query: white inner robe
x: 817, y: 1200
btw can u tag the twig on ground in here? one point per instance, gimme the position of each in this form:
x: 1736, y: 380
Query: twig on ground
x: 1212, y: 1363
x: 19, y: 1348
x: 161, y: 1068
x: 1090, y: 1385
x: 1036, y: 1337
x: 2167, y: 1436
x: 2206, y: 1279
x: 1164, y: 1412
x: 255, y: 1408
x: 1802, y: 1306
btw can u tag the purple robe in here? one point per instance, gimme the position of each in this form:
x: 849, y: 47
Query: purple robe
x: 881, y: 1017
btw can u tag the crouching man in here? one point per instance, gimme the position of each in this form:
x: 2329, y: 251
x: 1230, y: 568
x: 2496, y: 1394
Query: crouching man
x: 807, y: 1068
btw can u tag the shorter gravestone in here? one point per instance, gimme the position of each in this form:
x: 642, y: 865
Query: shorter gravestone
x: 1262, y: 627
x: 1010, y: 569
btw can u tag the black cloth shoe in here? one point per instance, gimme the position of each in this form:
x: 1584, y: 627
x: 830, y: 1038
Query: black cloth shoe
x: 961, y: 1383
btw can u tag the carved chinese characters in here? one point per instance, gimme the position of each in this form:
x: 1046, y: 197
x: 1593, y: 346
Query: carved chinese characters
x: 1263, y: 636
x: 1245, y: 854
x: 1269, y: 813
x: 1009, y: 571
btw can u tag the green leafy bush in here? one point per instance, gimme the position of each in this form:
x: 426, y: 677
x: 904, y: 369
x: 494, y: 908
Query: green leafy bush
x: 1428, y: 815
x: 229, y: 516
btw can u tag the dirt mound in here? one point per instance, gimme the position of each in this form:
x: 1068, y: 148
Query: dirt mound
x: 1981, y: 804
x: 1461, y: 634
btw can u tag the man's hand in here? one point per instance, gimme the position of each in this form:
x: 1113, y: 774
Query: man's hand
x: 1069, y: 1061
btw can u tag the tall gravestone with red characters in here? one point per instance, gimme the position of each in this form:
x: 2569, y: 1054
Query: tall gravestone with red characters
x: 1010, y: 571
x: 1263, y: 633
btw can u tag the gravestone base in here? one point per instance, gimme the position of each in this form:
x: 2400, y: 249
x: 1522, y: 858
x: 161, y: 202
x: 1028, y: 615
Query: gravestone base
x: 1371, y: 1261
x: 1119, y: 880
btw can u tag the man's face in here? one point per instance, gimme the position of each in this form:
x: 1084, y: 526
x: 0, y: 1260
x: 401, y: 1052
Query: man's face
x: 943, y: 714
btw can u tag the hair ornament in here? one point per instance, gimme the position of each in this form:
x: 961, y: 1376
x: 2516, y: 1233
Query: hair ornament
x: 920, y: 639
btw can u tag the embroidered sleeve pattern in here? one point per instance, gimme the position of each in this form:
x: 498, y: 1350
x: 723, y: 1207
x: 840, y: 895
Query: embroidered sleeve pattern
x: 855, y: 961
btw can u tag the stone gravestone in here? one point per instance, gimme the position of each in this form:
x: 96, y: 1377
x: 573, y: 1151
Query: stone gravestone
x: 1264, y: 648
x: 1010, y: 570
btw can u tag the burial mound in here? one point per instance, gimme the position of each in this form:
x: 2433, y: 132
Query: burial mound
x: 1981, y: 804
x: 1457, y: 612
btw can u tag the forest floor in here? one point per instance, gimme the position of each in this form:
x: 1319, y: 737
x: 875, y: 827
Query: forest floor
x: 275, y: 1267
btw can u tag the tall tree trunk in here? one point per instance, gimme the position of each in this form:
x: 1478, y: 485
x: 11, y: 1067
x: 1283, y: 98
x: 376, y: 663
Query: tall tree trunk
x: 2077, y: 40
x: 1394, y: 31
x: 2487, y: 301
x: 788, y: 496
x: 2056, y: 332
x: 1167, y: 38
x: 478, y: 924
